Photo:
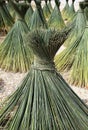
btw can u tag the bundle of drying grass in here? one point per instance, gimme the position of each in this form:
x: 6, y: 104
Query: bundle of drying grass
x: 22, y: 6
x: 38, y: 19
x: 71, y: 11
x: 50, y: 6
x: 79, y: 65
x: 5, y: 17
x: 65, y: 11
x: 79, y: 25
x: 56, y: 20
x: 28, y: 15
x: 44, y: 101
x: 46, y: 10
x: 75, y: 59
x: 11, y: 11
x: 14, y: 54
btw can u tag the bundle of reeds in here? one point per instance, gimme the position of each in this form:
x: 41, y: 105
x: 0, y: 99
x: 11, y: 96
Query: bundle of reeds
x: 28, y: 14
x: 65, y: 11
x: 74, y: 59
x: 46, y: 10
x: 44, y: 101
x: 5, y: 17
x: 14, y: 54
x: 38, y: 20
x: 79, y: 25
x: 72, y: 12
x: 50, y: 6
x: 22, y: 6
x: 56, y: 20
x: 11, y: 11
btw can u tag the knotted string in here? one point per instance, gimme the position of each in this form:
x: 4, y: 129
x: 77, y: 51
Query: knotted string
x: 43, y: 64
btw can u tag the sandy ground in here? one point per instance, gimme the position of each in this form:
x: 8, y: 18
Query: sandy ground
x: 9, y: 83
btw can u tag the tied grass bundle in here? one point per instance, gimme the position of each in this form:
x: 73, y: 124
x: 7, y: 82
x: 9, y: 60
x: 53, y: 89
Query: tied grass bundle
x: 11, y: 11
x: 50, y: 6
x: 72, y: 12
x: 44, y: 101
x: 28, y: 15
x: 23, y: 7
x: 56, y: 20
x: 74, y: 59
x: 14, y: 54
x: 61, y: 60
x: 79, y: 67
x: 5, y: 17
x: 41, y: 14
x: 65, y: 11
x: 36, y: 21
x: 79, y: 25
x: 46, y: 10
